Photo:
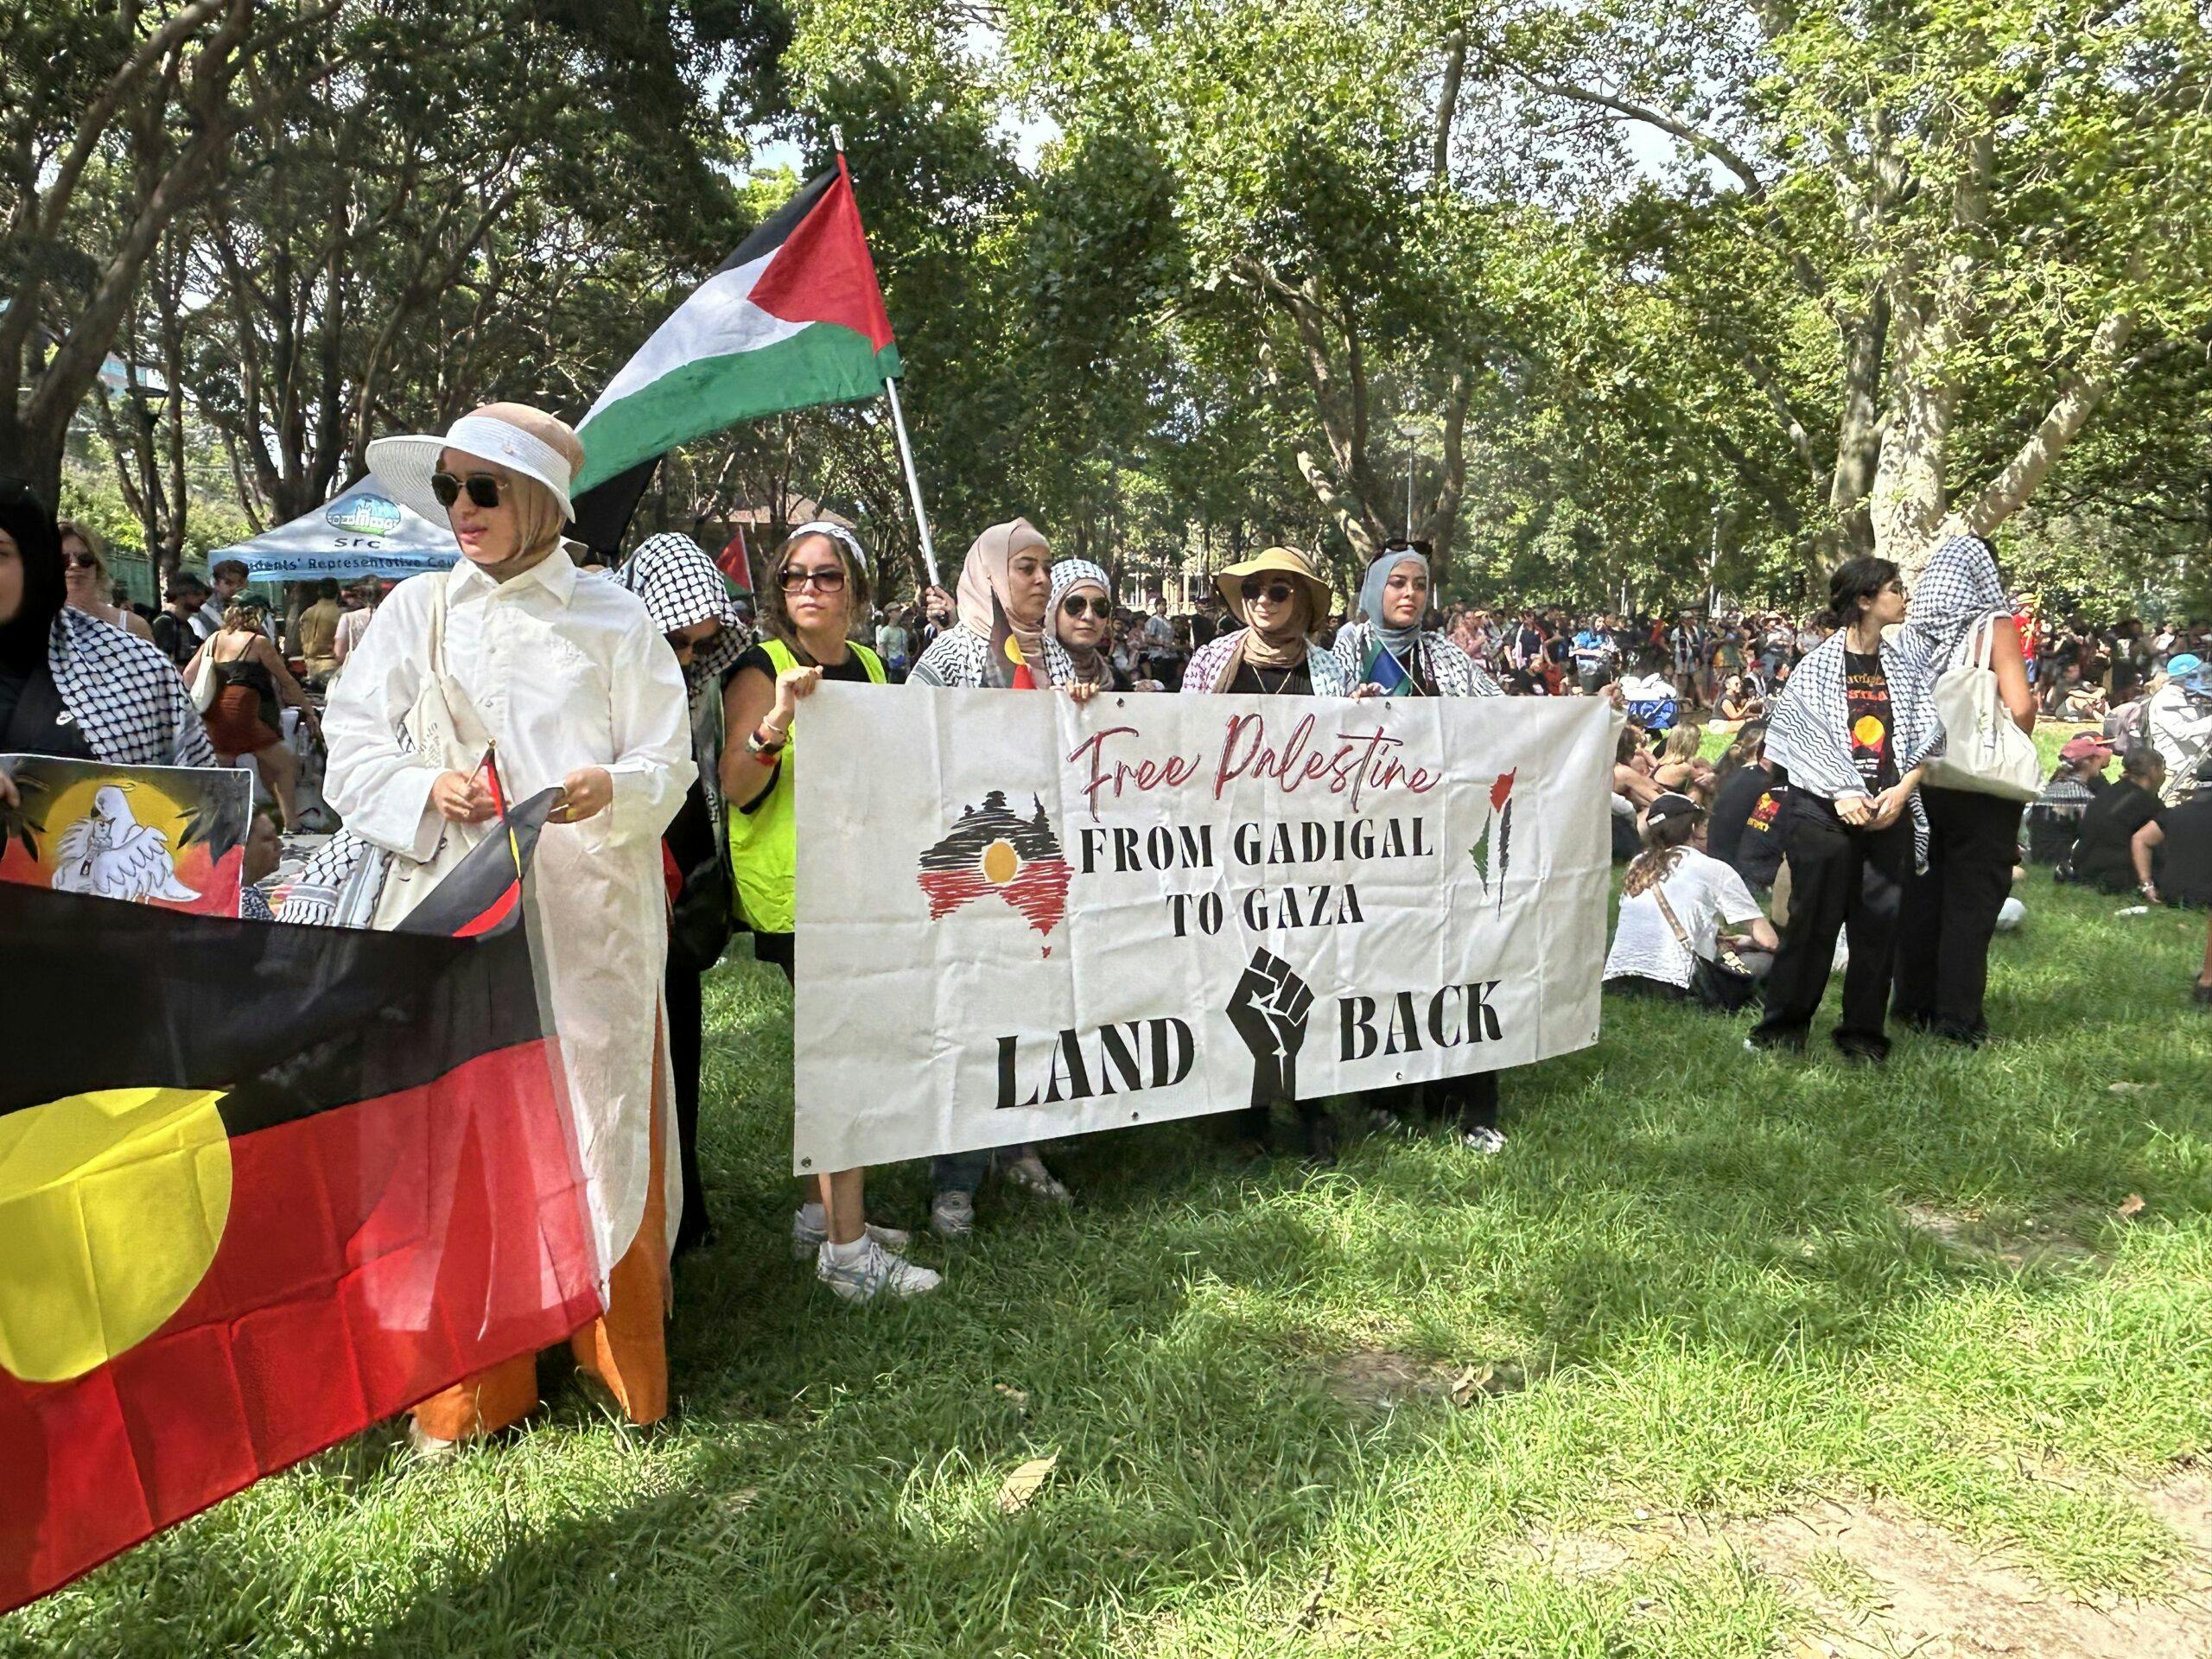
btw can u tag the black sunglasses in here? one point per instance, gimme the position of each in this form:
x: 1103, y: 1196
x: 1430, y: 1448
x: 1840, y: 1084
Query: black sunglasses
x: 483, y: 489
x: 1275, y: 592
x: 81, y: 562
x: 827, y: 582
x: 1077, y: 605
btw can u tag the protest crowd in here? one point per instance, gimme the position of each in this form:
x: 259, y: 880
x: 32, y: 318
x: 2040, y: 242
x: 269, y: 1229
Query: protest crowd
x: 1828, y: 838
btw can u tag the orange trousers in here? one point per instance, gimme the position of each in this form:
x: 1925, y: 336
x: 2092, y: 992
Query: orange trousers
x: 626, y: 1348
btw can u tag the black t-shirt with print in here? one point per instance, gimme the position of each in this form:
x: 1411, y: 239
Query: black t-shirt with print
x: 1745, y: 831
x: 1867, y: 700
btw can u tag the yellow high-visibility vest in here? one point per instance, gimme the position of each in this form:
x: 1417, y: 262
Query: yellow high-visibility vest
x: 764, y: 839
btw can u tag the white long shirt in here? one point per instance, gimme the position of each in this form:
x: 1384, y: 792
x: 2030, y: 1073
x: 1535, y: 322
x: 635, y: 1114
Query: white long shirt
x: 567, y: 672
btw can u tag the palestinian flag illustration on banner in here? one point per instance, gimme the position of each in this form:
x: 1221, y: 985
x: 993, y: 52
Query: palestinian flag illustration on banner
x: 991, y: 850
x: 793, y: 318
x: 303, y: 1179
x: 1492, y: 852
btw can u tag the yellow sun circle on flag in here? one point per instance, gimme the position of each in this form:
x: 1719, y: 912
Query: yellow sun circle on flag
x: 1000, y: 862
x: 1868, y: 731
x: 112, y: 1205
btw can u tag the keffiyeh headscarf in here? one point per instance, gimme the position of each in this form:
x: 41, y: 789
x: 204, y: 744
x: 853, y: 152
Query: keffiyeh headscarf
x: 1088, y: 661
x: 681, y: 586
x: 1957, y: 592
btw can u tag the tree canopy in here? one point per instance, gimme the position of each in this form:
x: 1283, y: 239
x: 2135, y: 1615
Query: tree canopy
x: 1605, y: 300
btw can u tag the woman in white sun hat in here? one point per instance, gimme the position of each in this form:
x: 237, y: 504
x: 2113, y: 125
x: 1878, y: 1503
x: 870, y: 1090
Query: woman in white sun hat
x: 575, y: 685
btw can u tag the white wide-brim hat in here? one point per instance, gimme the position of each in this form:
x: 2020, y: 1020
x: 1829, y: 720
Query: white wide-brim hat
x: 404, y: 466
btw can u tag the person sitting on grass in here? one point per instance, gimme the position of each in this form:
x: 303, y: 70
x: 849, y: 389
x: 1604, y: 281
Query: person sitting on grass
x: 1674, y: 902
x: 1745, y: 832
x: 2054, y: 820
x: 2172, y: 852
x: 1679, y: 763
x: 2105, y: 853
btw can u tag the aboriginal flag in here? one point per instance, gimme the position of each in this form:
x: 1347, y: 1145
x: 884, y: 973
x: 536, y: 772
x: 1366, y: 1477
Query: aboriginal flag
x: 991, y: 849
x: 260, y: 1187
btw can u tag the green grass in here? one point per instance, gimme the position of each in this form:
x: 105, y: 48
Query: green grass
x: 1691, y: 1271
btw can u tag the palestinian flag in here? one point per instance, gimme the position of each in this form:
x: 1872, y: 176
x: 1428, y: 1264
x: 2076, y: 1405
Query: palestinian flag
x: 793, y: 318
x: 304, y: 1178
x: 992, y: 850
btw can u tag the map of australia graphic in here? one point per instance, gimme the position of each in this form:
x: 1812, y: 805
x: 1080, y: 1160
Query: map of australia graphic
x: 991, y: 850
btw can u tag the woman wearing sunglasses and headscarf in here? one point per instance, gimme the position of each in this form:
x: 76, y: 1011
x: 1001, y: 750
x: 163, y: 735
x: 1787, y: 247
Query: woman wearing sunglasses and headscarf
x: 1388, y: 653
x: 1005, y: 595
x: 577, y: 688
x: 1280, y: 602
x: 815, y: 587
x: 70, y: 684
x: 1082, y: 622
x: 689, y: 602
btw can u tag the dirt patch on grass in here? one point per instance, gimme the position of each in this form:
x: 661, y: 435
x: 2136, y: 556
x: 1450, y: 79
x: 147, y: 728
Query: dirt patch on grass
x: 2045, y: 1242
x: 1380, y: 1379
x: 1881, y: 1584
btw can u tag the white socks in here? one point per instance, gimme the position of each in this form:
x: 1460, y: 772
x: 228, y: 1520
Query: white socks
x: 845, y: 1255
x: 814, y: 1217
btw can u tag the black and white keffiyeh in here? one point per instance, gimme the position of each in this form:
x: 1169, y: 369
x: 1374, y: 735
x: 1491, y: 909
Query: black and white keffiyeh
x: 1809, y: 730
x: 126, y: 695
x: 1330, y: 676
x: 1958, y: 591
x: 1453, y: 672
x: 961, y: 657
x: 681, y: 586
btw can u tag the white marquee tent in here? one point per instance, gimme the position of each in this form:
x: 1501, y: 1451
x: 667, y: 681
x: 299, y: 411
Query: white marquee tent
x: 361, y: 533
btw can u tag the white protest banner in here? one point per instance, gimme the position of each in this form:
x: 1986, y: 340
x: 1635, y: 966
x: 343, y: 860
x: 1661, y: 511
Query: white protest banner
x: 1019, y: 919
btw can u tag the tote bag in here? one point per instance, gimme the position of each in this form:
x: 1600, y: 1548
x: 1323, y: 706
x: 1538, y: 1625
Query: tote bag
x: 1984, y: 753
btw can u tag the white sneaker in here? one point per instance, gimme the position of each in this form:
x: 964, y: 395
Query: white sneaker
x: 1487, y: 1141
x: 952, y: 1215
x: 427, y: 1447
x: 806, y: 1239
x: 1028, y: 1172
x: 873, y: 1272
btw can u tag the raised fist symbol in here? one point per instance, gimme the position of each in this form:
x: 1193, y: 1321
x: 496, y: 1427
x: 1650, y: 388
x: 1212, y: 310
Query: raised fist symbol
x: 1268, y: 1010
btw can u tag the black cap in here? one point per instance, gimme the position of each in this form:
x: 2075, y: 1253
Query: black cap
x: 1670, y: 806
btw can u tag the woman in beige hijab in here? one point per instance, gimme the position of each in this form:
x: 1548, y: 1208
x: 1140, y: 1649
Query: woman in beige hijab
x: 1006, y: 587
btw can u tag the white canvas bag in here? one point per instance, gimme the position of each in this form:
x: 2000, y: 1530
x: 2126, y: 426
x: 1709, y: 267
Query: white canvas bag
x: 1984, y: 752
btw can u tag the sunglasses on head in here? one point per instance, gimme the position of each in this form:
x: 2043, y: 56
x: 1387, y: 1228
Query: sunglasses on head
x: 1077, y: 605
x: 1275, y: 592
x: 826, y: 582
x: 482, y: 489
